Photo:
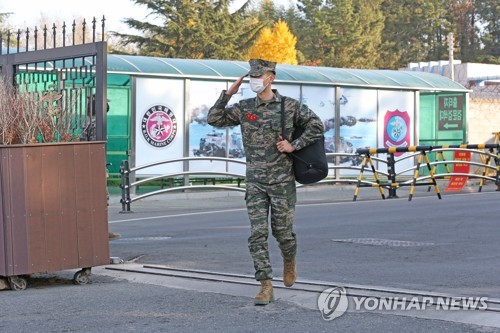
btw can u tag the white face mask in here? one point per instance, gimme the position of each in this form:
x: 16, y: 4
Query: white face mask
x: 257, y: 85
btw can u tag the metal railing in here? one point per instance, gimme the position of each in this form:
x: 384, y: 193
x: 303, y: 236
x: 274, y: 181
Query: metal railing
x: 355, y: 164
x: 129, y: 183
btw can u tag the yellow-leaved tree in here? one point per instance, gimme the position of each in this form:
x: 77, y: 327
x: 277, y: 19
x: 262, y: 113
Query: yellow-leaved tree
x: 276, y: 45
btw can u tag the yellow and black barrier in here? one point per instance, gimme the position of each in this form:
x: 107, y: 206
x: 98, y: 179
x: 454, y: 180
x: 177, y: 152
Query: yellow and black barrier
x: 422, y: 152
x: 488, y: 160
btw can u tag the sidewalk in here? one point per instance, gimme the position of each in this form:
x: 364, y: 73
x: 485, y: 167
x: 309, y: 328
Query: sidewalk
x: 305, y: 194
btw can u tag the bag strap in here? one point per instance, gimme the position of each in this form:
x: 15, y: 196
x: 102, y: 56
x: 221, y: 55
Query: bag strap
x: 283, y: 134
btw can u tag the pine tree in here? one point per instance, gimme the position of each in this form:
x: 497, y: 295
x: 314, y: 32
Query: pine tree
x: 415, y: 30
x: 193, y: 29
x: 344, y: 33
x: 299, y: 28
x: 476, y: 25
x: 488, y: 17
x: 266, y: 11
x: 460, y: 14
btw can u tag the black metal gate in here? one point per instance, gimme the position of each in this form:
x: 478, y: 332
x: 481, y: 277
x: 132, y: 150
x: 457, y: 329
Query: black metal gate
x: 71, y: 74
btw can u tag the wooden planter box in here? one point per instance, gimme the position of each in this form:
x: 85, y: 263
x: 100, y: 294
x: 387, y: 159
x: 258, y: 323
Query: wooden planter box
x: 53, y: 207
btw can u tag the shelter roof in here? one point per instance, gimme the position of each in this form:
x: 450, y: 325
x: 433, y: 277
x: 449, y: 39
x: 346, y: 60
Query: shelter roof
x: 225, y: 69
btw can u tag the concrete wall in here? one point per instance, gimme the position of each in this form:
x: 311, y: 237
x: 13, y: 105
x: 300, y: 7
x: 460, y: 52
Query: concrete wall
x: 483, y: 119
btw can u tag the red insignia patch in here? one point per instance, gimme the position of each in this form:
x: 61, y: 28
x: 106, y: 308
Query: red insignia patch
x: 251, y: 116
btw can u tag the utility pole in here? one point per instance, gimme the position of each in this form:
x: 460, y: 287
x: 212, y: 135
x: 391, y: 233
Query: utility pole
x: 450, y: 56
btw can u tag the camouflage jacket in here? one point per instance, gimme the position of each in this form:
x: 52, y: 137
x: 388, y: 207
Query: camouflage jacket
x: 261, y: 126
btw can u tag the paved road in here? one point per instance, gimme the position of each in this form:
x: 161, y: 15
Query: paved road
x: 427, y: 244
x: 449, y: 244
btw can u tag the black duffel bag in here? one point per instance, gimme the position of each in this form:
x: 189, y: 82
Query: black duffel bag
x: 309, y: 163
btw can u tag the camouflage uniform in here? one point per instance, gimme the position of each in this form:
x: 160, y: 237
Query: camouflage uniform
x: 270, y: 180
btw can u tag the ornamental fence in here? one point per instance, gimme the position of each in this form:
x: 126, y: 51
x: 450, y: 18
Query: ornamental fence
x: 67, y: 64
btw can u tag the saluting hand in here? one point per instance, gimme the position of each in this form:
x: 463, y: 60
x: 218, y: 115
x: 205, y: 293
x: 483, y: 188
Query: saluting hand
x: 284, y: 146
x: 235, y: 86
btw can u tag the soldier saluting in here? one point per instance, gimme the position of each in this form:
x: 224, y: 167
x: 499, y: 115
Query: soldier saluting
x: 270, y: 182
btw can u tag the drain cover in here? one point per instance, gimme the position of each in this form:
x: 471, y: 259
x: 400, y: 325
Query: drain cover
x: 382, y: 242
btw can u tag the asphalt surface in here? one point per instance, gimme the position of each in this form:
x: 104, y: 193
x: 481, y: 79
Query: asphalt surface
x: 109, y: 305
x: 447, y: 245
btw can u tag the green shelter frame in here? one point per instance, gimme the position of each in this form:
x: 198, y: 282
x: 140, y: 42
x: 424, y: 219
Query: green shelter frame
x: 123, y: 69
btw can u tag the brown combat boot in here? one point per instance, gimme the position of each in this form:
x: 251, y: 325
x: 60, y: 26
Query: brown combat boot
x: 266, y: 295
x: 289, y: 272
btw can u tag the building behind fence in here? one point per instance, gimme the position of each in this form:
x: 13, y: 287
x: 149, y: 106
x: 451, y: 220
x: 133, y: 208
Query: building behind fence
x: 483, y: 117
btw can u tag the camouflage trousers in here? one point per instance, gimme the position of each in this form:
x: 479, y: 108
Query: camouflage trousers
x: 277, y: 200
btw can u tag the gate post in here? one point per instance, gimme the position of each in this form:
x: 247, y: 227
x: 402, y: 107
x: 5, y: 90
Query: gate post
x: 125, y: 186
x: 101, y: 67
x: 7, y: 70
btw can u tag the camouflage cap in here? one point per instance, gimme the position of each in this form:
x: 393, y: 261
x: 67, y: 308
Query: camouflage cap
x: 259, y: 67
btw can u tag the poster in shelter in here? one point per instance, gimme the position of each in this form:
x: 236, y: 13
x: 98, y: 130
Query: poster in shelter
x: 204, y: 139
x: 357, y: 124
x: 159, y: 124
x: 396, y: 122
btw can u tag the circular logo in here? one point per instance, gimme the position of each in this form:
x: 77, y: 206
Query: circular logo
x: 396, y: 128
x: 159, y: 126
x: 332, y: 303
